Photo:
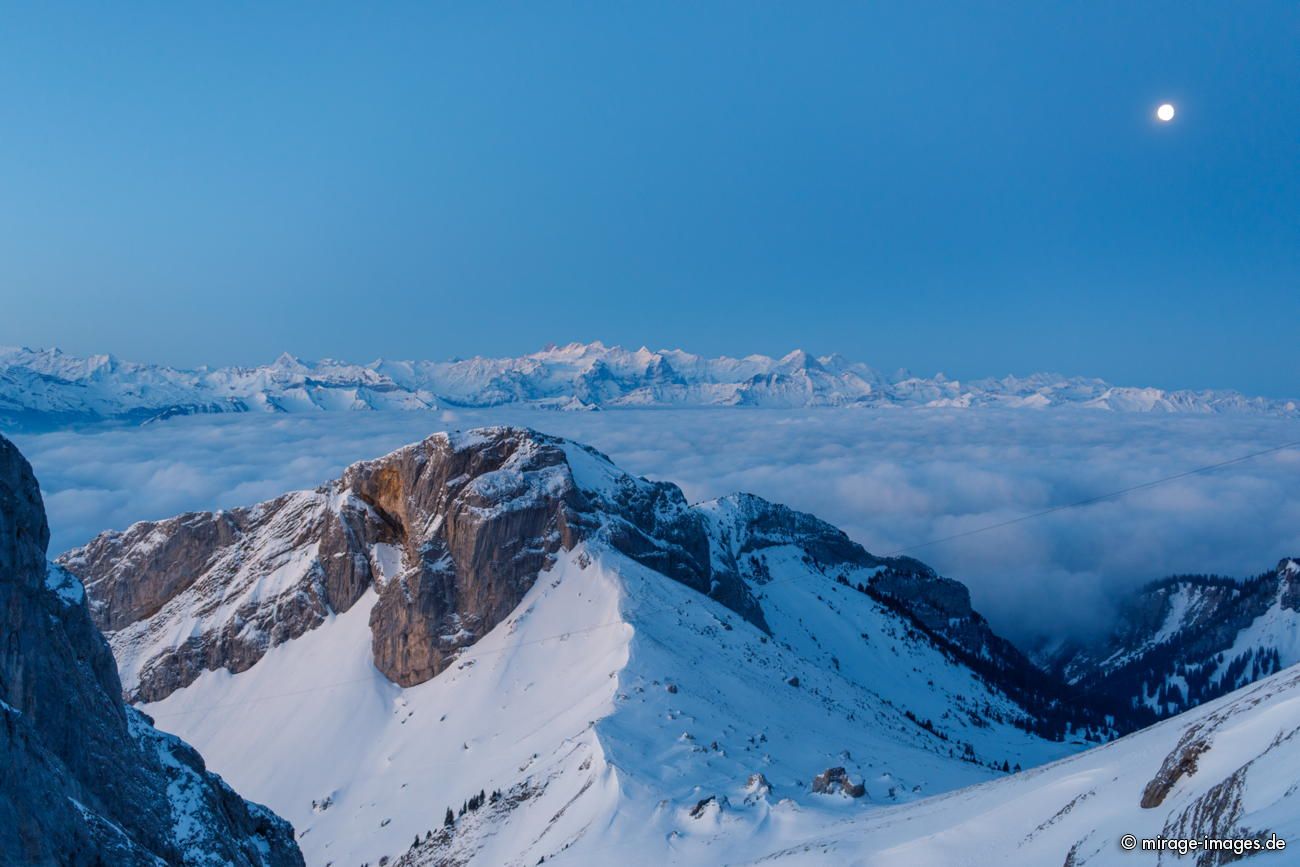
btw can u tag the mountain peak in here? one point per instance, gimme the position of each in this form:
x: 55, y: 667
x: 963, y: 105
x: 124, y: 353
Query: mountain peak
x: 799, y: 359
x: 508, y: 610
x: 471, y: 517
x: 287, y: 361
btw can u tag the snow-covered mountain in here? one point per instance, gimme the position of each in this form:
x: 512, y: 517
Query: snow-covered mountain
x: 497, y: 647
x: 1225, y: 772
x: 85, y: 780
x: 1187, y: 639
x: 48, y: 387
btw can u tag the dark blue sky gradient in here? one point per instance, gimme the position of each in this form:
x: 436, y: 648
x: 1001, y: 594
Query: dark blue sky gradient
x: 974, y: 188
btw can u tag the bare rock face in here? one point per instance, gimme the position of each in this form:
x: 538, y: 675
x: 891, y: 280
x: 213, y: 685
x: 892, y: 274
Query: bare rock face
x: 84, y: 779
x: 219, y: 571
x: 833, y: 780
x: 479, y: 516
x: 450, y: 533
x: 1179, y: 763
x: 476, y: 525
x: 1288, y: 576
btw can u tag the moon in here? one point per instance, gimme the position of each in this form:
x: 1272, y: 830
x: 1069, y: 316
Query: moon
x: 1165, y: 112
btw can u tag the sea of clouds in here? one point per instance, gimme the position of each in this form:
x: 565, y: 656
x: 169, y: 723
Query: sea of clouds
x: 892, y: 479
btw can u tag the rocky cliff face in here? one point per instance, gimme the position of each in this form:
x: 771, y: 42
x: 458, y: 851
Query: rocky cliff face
x: 84, y: 779
x: 478, y: 517
x: 1188, y: 639
x: 449, y: 532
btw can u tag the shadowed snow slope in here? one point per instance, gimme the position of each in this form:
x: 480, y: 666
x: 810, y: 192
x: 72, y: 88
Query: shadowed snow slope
x: 1226, y: 770
x: 669, y: 682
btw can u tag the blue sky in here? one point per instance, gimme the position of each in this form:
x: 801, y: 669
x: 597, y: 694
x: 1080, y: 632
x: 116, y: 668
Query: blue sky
x: 974, y: 188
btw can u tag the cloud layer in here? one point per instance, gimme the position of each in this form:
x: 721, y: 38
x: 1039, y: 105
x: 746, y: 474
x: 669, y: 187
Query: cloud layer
x: 892, y: 479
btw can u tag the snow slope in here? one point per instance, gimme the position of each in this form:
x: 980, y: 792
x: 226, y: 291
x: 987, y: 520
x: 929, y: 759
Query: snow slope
x: 605, y: 710
x: 42, y: 388
x: 1225, y: 770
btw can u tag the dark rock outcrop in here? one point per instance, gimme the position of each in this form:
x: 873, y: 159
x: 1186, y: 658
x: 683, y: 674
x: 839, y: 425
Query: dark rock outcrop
x: 833, y: 780
x: 83, y: 778
x: 703, y: 804
x: 1179, y: 763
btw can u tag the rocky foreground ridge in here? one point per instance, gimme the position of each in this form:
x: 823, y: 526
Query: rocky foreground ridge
x: 83, y: 778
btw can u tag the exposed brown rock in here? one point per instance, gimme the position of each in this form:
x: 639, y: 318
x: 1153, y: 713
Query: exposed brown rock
x: 476, y: 517
x: 474, y: 538
x: 199, y: 565
x: 1215, y: 814
x: 833, y: 780
x: 1181, y: 762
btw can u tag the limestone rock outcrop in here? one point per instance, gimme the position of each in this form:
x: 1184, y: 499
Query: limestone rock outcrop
x: 83, y: 778
x: 450, y: 533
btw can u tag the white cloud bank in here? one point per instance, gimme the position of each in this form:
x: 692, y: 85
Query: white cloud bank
x: 890, y: 478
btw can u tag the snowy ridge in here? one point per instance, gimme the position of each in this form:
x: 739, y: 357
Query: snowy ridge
x: 613, y: 712
x: 450, y: 531
x: 50, y: 387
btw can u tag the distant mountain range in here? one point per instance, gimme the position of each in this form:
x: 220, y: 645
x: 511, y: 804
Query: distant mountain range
x: 47, y: 387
